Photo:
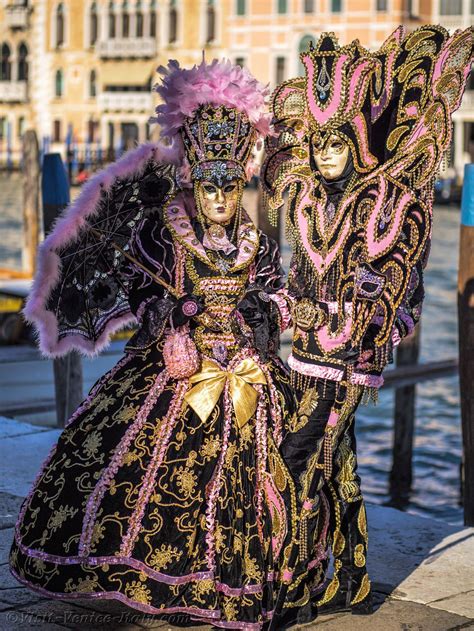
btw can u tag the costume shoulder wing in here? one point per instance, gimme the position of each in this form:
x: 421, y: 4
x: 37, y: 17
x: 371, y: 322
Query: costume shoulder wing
x: 421, y: 84
x: 80, y: 292
x: 395, y: 227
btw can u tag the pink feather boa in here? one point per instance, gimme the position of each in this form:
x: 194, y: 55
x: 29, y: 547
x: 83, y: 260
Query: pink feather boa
x: 65, y: 230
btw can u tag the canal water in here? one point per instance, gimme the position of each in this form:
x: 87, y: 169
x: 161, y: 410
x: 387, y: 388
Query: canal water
x: 437, y: 448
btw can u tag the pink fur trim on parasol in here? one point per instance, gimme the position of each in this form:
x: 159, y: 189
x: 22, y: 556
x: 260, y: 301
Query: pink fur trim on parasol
x: 65, y: 230
x: 218, y: 83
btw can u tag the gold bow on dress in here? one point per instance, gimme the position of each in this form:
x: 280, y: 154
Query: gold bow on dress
x: 210, y: 382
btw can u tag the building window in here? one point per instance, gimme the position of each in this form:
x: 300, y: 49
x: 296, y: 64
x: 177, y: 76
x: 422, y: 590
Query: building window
x: 382, y: 5
x: 305, y: 43
x: 57, y: 131
x: 125, y: 20
x: 112, y: 21
x: 60, y: 24
x: 93, y: 84
x: 153, y: 18
x: 22, y: 62
x: 240, y: 61
x: 280, y: 70
x: 413, y: 8
x: 282, y: 6
x: 336, y: 6
x: 59, y: 84
x: 3, y: 127
x: 450, y: 7
x: 6, y: 65
x: 240, y: 7
x: 470, y: 83
x: 308, y: 6
x: 21, y: 126
x: 92, y: 127
x: 110, y: 136
x: 210, y: 21
x: 93, y: 24
x: 139, y: 18
x: 173, y: 22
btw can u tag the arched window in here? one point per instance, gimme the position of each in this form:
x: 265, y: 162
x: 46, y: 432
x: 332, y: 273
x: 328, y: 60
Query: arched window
x: 22, y: 62
x: 173, y: 22
x: 112, y: 21
x: 153, y: 18
x: 59, y: 84
x: 210, y: 21
x: 6, y: 65
x: 303, y: 47
x: 125, y: 20
x: 139, y: 18
x: 93, y: 24
x: 60, y: 24
x: 93, y: 83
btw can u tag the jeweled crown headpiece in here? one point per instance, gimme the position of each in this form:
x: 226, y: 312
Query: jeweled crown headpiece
x: 215, y: 113
x: 333, y: 97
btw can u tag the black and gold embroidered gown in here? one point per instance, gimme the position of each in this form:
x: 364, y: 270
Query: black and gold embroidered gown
x: 168, y: 506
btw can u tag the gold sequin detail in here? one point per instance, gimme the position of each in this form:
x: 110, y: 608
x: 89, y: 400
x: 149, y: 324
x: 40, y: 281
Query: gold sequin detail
x: 364, y: 589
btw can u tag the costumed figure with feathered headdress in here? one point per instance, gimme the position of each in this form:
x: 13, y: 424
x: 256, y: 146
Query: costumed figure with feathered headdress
x: 166, y: 490
x: 361, y: 137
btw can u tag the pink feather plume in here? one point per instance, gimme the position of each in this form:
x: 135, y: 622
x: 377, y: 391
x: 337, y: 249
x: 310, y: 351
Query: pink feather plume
x: 218, y: 83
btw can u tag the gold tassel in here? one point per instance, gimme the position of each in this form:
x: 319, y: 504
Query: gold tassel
x: 328, y: 454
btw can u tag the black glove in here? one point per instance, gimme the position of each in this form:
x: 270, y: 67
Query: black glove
x: 254, y: 306
x: 153, y: 321
x: 259, y: 313
x: 186, y: 308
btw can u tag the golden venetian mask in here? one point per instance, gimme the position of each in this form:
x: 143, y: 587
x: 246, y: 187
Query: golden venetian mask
x: 331, y: 157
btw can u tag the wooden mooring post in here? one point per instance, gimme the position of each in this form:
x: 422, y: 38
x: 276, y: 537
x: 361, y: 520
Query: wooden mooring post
x: 68, y: 380
x: 401, y: 475
x: 31, y: 170
x: 466, y: 340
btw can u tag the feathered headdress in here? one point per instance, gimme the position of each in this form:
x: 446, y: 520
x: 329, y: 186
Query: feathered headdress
x: 214, y: 113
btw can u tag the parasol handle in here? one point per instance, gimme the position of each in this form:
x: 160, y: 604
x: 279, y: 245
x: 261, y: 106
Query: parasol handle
x: 148, y: 271
x: 131, y: 258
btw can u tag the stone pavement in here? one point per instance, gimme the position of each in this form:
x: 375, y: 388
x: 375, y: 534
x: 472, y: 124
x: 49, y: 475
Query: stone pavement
x: 421, y: 569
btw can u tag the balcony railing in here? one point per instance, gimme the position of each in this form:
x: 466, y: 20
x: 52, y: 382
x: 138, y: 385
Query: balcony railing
x: 127, y: 47
x: 125, y: 102
x: 13, y: 91
x: 467, y: 105
x: 17, y: 17
x: 453, y: 22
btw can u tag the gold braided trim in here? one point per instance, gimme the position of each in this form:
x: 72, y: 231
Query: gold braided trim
x: 362, y: 523
x: 364, y: 589
x: 332, y: 588
x: 359, y: 556
x: 338, y: 544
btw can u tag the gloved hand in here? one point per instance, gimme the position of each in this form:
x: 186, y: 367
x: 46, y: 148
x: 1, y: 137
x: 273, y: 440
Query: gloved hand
x: 186, y: 308
x: 258, y: 312
x: 254, y: 306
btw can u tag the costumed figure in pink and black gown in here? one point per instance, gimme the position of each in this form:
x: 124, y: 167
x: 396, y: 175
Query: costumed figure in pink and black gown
x: 361, y: 139
x: 166, y: 490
